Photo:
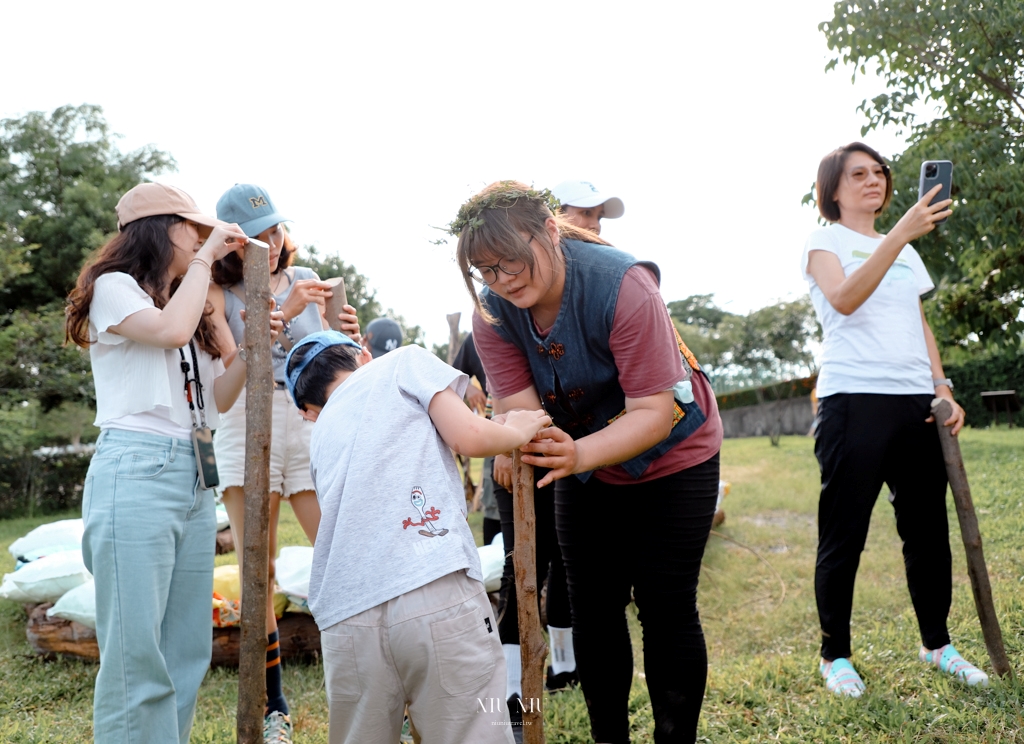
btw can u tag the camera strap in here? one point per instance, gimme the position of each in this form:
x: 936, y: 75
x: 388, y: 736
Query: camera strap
x: 197, y: 402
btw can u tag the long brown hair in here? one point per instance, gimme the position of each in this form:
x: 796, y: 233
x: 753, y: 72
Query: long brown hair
x: 143, y: 250
x: 496, y: 231
x: 228, y: 270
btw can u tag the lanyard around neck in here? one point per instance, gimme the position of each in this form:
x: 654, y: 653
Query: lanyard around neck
x: 198, y: 402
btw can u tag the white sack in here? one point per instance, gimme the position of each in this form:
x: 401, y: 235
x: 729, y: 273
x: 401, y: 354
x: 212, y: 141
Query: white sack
x: 293, y: 567
x: 47, y: 579
x: 54, y: 537
x: 79, y: 605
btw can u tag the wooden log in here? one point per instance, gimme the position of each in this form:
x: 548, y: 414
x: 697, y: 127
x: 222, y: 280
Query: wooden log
x: 300, y: 639
x: 259, y: 390
x: 52, y: 636
x: 531, y: 639
x: 971, y: 534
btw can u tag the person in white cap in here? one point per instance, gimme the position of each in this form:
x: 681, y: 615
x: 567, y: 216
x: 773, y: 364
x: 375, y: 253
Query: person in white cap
x: 584, y: 206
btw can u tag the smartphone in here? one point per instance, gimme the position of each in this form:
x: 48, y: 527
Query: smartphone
x: 934, y: 172
x: 206, y: 460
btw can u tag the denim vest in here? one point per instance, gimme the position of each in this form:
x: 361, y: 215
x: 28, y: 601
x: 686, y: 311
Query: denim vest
x: 573, y: 368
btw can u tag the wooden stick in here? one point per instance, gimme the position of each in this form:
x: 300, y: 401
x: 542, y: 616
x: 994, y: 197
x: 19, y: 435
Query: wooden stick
x: 976, y: 569
x: 259, y: 391
x: 531, y: 640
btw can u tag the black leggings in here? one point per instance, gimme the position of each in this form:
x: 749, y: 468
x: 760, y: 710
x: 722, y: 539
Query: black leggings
x: 557, y: 603
x: 648, y: 538
x: 862, y: 441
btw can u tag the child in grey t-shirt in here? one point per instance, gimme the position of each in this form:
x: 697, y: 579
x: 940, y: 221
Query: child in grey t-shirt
x: 396, y: 587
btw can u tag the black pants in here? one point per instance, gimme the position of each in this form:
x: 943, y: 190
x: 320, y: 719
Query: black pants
x: 549, y: 562
x: 648, y: 538
x: 863, y: 441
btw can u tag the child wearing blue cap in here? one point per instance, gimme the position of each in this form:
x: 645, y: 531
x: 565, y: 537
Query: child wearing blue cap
x: 396, y: 586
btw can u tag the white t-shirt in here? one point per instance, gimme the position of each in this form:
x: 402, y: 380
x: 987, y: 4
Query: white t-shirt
x: 879, y: 347
x: 392, y: 503
x: 140, y: 387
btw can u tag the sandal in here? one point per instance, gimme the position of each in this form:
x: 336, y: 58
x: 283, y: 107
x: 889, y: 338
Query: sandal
x: 949, y: 660
x: 841, y: 678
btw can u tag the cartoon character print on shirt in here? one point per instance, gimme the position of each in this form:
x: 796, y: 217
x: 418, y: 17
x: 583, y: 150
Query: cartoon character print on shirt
x: 427, y: 518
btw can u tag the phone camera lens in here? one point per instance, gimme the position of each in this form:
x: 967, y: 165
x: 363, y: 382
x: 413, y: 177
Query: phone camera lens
x: 931, y: 170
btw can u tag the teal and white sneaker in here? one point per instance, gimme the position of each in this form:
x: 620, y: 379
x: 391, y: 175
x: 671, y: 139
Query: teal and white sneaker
x: 949, y: 660
x: 841, y: 678
x: 277, y: 728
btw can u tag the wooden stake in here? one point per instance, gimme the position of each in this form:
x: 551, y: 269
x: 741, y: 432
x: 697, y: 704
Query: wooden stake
x: 971, y: 534
x: 531, y: 640
x: 259, y: 391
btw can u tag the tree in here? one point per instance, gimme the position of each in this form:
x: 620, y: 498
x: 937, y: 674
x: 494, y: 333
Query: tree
x: 60, y: 179
x: 358, y: 292
x: 773, y: 343
x: 965, y: 58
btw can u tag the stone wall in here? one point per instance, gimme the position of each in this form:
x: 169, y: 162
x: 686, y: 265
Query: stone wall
x: 794, y: 416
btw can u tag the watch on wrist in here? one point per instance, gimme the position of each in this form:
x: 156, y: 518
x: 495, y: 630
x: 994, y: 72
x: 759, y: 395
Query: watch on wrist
x: 241, y: 353
x: 944, y: 381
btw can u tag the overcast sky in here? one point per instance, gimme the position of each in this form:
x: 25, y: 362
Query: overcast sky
x: 370, y: 122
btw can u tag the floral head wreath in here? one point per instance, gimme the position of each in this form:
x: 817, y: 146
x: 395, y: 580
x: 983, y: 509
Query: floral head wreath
x: 470, y: 214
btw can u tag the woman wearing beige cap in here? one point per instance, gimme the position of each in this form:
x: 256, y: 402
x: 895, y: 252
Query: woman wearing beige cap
x: 149, y: 524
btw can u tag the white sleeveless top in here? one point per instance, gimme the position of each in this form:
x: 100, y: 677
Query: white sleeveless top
x: 140, y: 387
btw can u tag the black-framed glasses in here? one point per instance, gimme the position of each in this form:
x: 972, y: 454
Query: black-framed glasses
x: 860, y: 173
x: 489, y: 274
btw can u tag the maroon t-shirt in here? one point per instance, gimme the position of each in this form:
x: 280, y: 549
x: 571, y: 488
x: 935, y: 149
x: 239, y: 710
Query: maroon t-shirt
x: 643, y: 345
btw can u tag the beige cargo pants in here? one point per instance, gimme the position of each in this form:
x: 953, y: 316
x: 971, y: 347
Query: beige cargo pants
x: 434, y: 649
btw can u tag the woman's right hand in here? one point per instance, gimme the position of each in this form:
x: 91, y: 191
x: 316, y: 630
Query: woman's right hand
x: 502, y: 471
x: 920, y: 219
x: 223, y: 239
x: 305, y: 291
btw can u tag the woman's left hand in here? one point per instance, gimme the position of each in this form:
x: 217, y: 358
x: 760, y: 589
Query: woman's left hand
x: 553, y: 449
x: 276, y: 324
x: 276, y: 320
x: 350, y: 323
x: 956, y: 417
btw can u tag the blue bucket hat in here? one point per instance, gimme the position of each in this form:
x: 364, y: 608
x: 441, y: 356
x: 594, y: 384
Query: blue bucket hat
x: 250, y: 208
x: 321, y: 340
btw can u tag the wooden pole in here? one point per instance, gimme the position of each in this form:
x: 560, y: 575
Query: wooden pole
x: 259, y: 391
x: 531, y: 639
x: 971, y: 534
x: 453, y: 350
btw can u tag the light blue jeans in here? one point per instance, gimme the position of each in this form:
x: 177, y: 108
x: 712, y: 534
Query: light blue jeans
x: 149, y: 542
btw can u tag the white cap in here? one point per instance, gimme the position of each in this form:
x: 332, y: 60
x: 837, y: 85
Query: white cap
x: 584, y: 194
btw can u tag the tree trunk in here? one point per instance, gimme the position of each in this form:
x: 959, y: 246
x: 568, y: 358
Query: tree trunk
x: 971, y: 535
x: 531, y: 639
x: 259, y: 391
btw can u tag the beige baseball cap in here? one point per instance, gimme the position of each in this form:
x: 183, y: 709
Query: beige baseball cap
x: 151, y: 199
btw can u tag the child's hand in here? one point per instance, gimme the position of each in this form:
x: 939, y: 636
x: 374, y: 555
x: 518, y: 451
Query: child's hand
x: 527, y: 423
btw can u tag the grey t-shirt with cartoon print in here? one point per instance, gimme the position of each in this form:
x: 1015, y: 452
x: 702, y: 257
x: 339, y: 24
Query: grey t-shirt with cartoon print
x: 393, y: 507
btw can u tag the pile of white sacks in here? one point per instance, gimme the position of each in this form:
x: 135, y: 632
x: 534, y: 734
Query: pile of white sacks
x: 49, y: 568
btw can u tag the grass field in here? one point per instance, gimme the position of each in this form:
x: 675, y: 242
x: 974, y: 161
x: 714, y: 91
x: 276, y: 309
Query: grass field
x: 760, y: 623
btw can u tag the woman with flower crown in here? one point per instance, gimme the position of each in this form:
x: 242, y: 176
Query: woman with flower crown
x: 565, y: 321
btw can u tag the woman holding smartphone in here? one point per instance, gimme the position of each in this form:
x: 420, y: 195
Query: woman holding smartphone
x: 567, y: 322
x: 300, y: 296
x: 880, y: 371
x: 140, y: 309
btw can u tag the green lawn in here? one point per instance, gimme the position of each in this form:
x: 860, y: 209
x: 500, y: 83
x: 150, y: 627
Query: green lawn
x: 763, y: 684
